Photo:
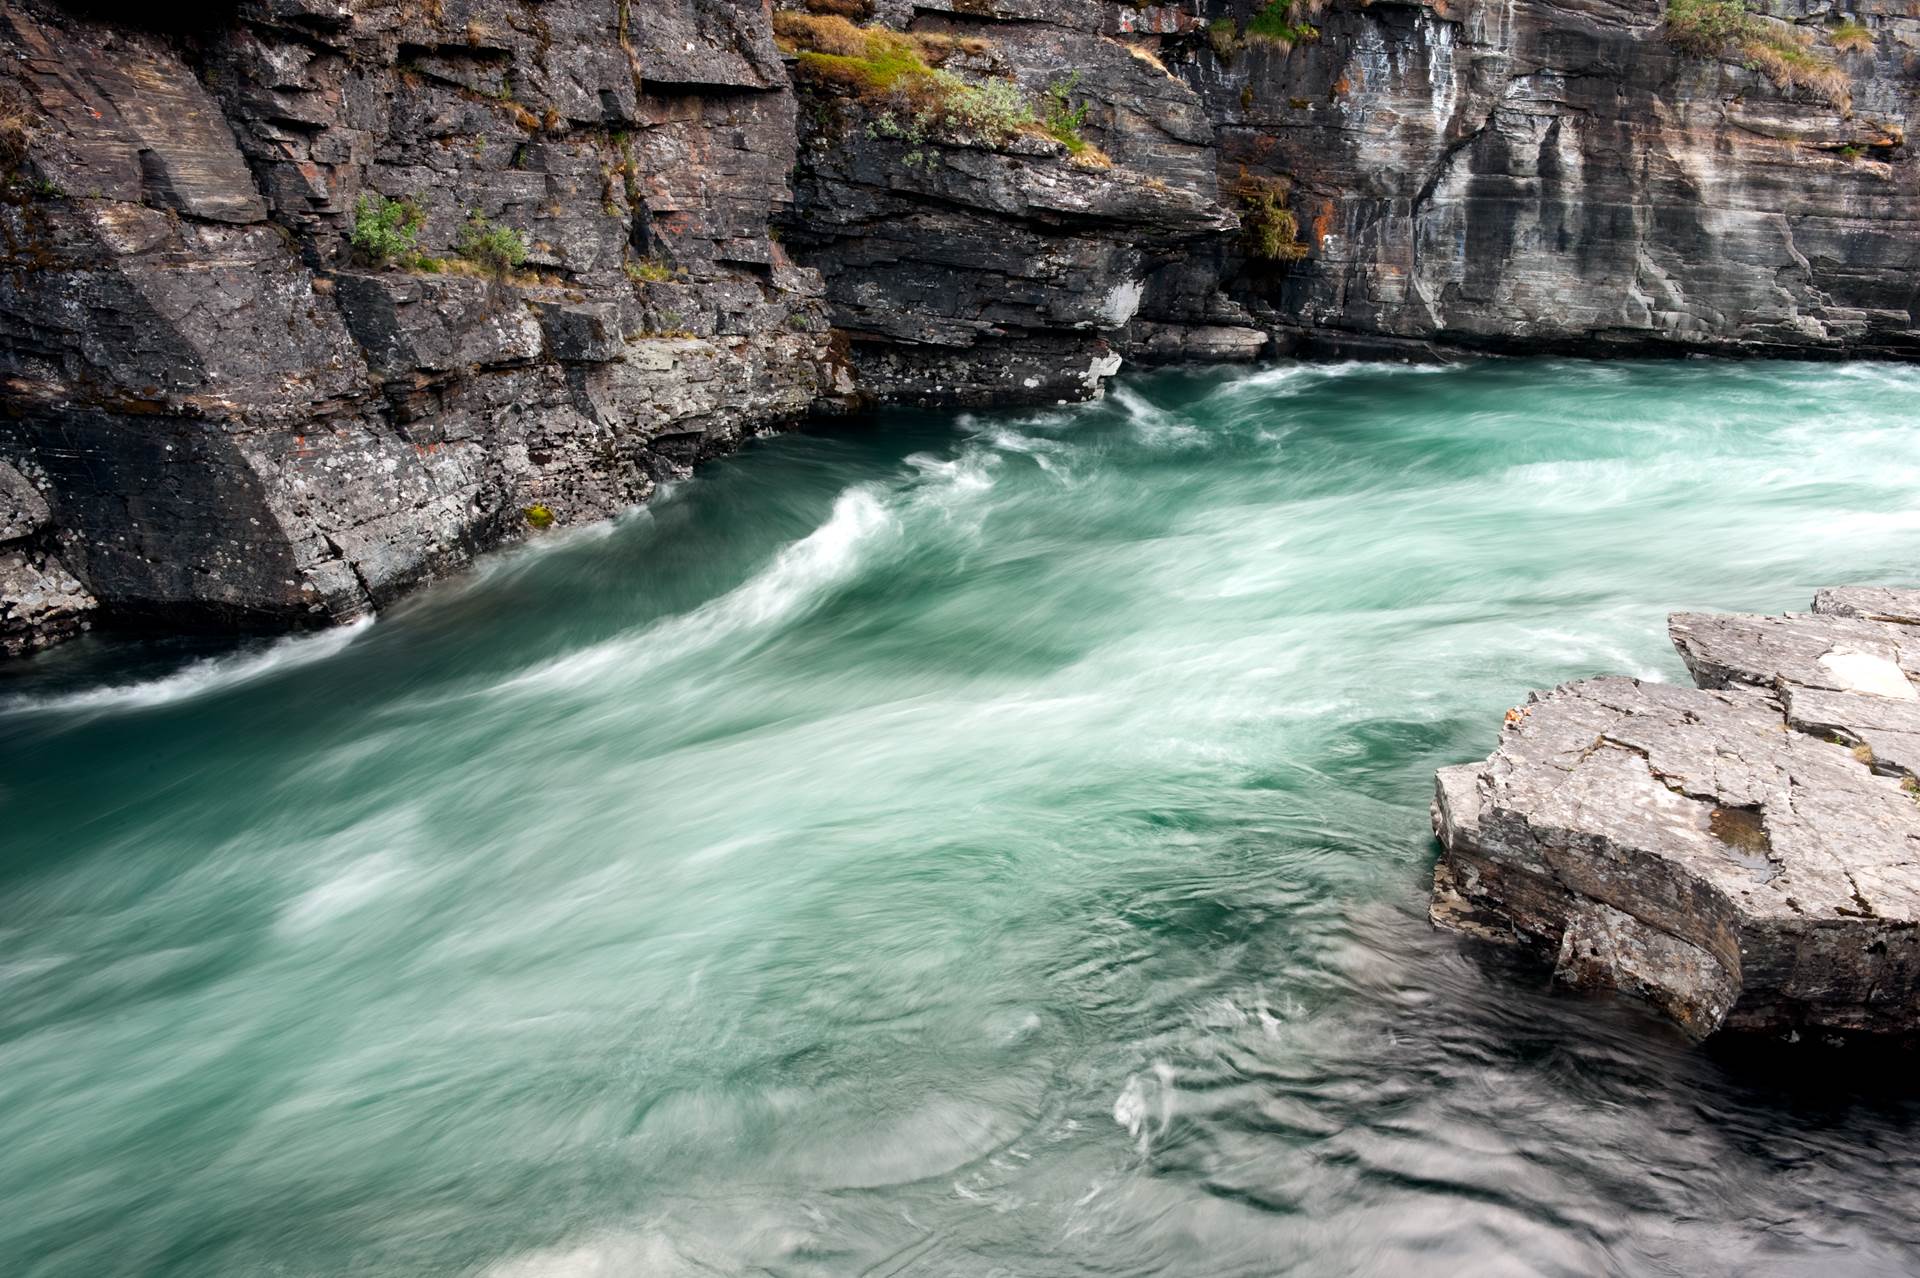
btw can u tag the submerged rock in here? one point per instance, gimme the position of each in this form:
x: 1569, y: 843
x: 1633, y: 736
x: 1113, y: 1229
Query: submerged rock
x: 1744, y: 855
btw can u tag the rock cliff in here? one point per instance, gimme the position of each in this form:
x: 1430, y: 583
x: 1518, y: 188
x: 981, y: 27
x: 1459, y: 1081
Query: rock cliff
x: 620, y: 237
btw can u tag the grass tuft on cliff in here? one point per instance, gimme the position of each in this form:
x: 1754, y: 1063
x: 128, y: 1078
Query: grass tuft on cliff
x: 1270, y: 230
x: 1727, y: 28
x: 1278, y: 24
x: 918, y: 101
x: 1851, y: 37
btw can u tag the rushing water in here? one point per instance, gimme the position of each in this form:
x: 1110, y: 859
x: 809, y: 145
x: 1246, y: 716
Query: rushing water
x: 989, y: 845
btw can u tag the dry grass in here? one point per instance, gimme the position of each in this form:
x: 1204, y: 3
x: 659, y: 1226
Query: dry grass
x: 1786, y: 60
x: 826, y: 33
x: 16, y: 131
x: 1782, y: 53
x: 1851, y: 37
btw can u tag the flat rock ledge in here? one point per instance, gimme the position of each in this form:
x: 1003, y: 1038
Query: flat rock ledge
x: 1744, y: 855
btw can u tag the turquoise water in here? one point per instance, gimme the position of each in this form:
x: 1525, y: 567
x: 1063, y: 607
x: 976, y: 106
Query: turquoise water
x: 988, y: 845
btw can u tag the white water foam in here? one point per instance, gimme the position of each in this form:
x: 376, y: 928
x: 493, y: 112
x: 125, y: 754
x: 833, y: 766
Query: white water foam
x: 798, y: 578
x: 211, y: 674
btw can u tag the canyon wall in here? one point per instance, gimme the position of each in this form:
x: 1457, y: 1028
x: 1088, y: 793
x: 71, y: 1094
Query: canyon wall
x: 215, y: 412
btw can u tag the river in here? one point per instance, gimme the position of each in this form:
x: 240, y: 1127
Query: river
x: 945, y: 845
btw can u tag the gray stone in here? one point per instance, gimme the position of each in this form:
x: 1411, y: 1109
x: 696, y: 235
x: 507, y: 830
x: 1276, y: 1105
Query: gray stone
x: 1742, y: 856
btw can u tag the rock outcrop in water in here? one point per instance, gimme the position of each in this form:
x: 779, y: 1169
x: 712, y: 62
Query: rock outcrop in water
x: 229, y: 417
x: 1745, y: 855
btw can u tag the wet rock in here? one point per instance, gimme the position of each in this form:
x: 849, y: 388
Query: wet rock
x: 1739, y: 855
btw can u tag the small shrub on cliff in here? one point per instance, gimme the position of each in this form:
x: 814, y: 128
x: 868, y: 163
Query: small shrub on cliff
x: 1065, y: 122
x: 384, y: 230
x: 538, y: 516
x: 649, y: 270
x: 498, y: 249
x: 1282, y: 23
x: 1270, y: 229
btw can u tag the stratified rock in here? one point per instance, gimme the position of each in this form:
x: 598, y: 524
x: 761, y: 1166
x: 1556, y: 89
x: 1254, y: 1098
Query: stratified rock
x: 234, y: 420
x: 1531, y: 175
x: 1743, y: 856
x: 967, y: 273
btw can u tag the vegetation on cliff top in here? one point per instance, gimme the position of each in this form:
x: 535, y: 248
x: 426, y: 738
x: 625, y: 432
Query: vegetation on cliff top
x: 1278, y: 24
x: 1722, y: 28
x: 917, y: 100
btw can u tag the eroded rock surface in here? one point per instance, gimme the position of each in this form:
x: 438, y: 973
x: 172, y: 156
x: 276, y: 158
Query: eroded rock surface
x: 1742, y: 855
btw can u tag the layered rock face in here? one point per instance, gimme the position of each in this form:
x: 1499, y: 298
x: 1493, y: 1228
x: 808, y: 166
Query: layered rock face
x: 1527, y: 175
x: 231, y: 421
x: 232, y: 418
x: 1014, y: 274
x: 1745, y: 855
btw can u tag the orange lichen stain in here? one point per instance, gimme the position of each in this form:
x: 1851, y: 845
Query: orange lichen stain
x: 1323, y: 221
x: 1341, y: 88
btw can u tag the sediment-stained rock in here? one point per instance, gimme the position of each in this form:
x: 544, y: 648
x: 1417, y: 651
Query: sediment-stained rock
x: 1737, y: 861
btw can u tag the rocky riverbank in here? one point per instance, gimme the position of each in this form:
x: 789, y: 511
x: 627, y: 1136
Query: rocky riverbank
x: 618, y: 238
x: 1744, y: 855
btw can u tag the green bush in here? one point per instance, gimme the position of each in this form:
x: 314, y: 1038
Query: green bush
x: 1281, y: 23
x: 1065, y: 120
x: 487, y: 244
x: 384, y: 230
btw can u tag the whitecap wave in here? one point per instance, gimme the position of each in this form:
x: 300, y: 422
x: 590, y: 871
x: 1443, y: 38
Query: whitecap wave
x: 798, y: 579
x: 208, y: 675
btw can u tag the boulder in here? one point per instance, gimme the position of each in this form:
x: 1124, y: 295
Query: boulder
x: 1742, y: 855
